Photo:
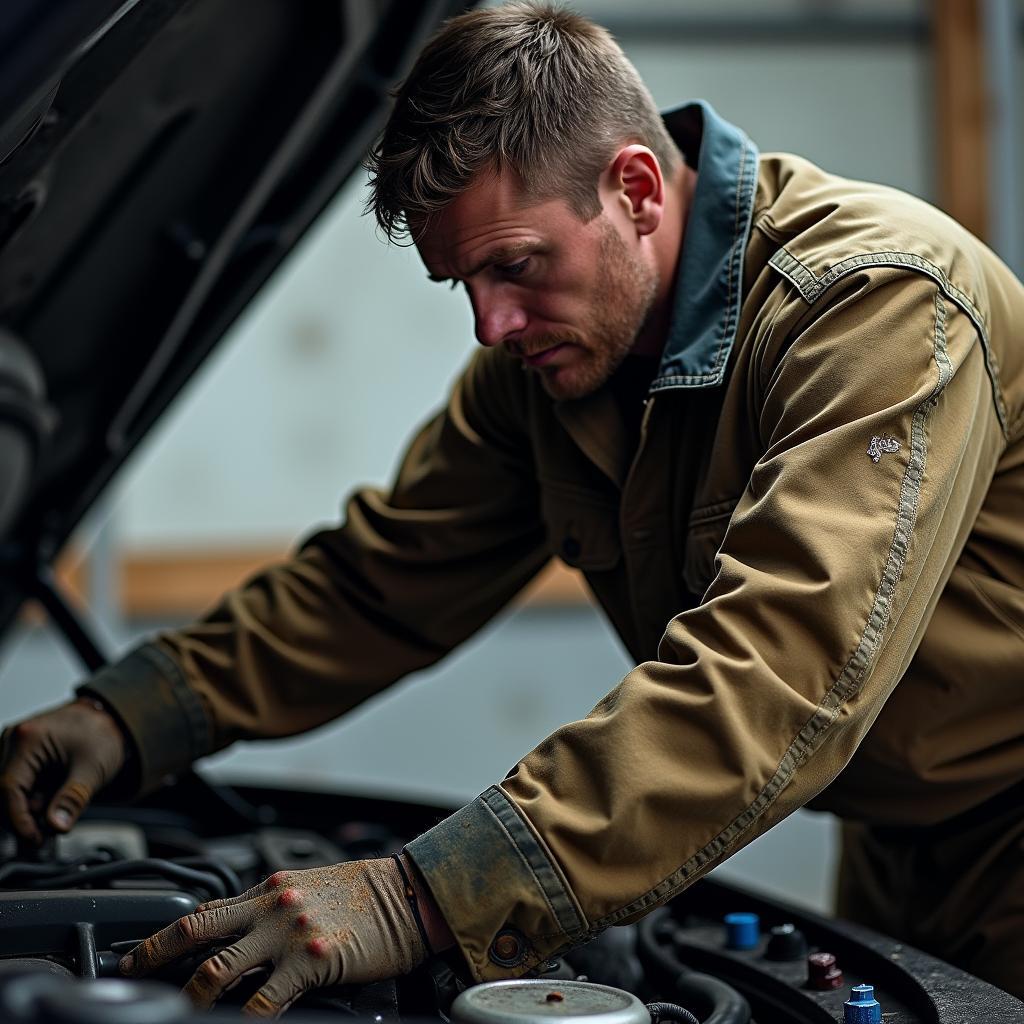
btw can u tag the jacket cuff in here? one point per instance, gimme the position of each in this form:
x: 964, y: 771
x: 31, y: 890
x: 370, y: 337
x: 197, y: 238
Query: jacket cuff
x: 501, y: 892
x: 164, y: 719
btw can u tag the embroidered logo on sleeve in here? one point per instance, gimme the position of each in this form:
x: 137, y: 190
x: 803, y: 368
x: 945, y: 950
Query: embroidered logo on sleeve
x: 882, y: 444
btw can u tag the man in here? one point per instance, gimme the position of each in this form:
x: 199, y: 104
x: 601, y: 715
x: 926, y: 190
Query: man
x: 774, y: 416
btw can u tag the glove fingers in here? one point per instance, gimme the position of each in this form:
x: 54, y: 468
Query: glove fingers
x: 17, y: 782
x: 186, y: 935
x: 261, y: 889
x: 228, y: 901
x: 283, y: 987
x: 223, y: 970
x: 72, y: 798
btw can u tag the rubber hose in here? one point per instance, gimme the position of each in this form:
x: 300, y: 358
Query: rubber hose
x: 726, y: 1004
x: 185, y: 877
x: 670, y: 1011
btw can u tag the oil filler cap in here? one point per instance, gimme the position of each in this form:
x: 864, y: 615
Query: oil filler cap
x: 532, y: 1001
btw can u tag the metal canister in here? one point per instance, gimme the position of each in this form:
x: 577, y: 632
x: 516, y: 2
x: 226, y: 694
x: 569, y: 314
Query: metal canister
x: 529, y: 1001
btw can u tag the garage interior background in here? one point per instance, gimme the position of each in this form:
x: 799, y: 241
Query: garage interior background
x: 350, y: 347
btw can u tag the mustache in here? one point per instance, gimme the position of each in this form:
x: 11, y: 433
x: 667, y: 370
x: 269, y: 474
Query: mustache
x: 533, y: 347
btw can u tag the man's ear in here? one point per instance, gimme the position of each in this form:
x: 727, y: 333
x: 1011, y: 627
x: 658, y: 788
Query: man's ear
x: 634, y: 177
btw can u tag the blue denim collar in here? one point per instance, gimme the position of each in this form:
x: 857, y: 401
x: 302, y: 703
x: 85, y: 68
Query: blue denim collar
x: 707, y: 300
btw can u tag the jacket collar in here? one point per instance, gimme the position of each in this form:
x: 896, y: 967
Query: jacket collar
x: 707, y: 300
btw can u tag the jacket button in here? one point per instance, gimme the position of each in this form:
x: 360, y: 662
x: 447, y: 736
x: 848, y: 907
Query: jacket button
x: 641, y: 534
x: 571, y: 548
x: 508, y: 948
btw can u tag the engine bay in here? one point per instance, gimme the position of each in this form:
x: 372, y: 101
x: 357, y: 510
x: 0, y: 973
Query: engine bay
x: 70, y: 910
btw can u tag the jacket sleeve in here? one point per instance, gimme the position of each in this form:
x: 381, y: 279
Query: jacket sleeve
x: 408, y: 576
x: 825, y: 580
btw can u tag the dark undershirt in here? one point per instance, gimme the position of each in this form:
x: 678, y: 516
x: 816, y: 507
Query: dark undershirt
x: 629, y: 385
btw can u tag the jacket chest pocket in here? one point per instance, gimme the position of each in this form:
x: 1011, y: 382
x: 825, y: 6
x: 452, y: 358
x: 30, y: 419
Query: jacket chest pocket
x: 582, y: 526
x: 704, y: 537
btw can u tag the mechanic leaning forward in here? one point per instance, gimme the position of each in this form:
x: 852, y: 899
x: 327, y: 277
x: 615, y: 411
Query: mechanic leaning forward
x: 774, y: 416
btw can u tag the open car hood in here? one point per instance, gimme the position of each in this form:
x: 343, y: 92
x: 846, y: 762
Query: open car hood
x: 158, y: 159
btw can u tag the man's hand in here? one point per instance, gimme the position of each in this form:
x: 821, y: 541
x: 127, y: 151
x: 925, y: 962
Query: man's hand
x: 344, y: 923
x: 55, y: 762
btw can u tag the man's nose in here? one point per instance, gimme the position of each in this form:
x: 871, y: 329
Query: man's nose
x: 498, y: 317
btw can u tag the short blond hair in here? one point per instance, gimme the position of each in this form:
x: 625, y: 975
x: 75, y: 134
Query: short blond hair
x: 526, y: 87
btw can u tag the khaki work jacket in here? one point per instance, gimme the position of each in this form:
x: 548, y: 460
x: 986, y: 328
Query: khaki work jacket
x: 826, y: 502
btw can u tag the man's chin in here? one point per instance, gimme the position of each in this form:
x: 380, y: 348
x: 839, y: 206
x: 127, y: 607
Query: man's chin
x: 565, y: 386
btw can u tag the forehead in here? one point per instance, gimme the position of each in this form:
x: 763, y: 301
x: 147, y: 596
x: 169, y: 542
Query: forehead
x: 493, y: 212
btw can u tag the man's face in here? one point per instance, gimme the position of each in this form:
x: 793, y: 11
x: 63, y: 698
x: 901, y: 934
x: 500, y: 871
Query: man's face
x: 565, y: 296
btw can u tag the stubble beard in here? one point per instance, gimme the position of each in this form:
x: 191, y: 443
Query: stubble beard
x: 624, y: 295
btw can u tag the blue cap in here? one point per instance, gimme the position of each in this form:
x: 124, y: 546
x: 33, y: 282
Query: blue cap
x: 862, y: 1007
x: 742, y: 931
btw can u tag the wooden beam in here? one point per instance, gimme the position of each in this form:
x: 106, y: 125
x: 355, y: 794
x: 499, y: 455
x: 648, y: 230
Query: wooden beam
x: 183, y: 584
x: 961, y: 112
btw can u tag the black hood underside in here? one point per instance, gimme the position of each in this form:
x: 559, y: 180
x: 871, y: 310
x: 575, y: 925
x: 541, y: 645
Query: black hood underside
x: 158, y: 159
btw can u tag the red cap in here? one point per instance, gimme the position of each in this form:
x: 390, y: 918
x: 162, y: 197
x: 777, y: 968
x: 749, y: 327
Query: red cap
x: 823, y: 973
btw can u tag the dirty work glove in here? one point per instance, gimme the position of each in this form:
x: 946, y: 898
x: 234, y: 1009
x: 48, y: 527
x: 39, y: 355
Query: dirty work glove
x: 344, y: 923
x: 54, y: 762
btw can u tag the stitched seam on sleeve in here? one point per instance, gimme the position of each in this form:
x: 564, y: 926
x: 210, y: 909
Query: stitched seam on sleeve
x: 856, y: 670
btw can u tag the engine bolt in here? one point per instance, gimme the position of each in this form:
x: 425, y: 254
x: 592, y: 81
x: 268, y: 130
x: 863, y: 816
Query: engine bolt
x: 743, y: 931
x: 823, y: 973
x: 862, y: 1007
x: 787, y: 942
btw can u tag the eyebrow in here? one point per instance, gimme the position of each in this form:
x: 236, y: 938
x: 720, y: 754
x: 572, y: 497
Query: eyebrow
x: 500, y: 255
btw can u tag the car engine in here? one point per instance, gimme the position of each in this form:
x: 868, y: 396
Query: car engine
x: 70, y: 910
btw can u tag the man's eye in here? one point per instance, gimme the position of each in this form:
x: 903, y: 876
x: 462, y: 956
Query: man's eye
x: 515, y: 269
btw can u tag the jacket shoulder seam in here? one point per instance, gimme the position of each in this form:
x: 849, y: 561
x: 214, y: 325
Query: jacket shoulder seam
x: 812, y: 286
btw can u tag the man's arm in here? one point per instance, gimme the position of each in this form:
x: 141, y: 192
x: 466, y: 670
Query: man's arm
x: 408, y: 576
x: 825, y: 582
